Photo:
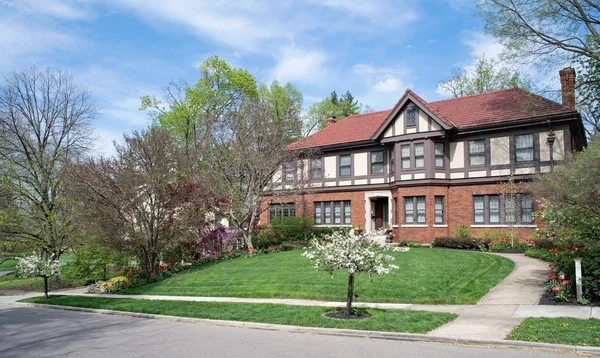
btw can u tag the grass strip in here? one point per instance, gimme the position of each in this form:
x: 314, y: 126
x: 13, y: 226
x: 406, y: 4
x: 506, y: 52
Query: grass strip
x: 380, y: 320
x: 573, y: 331
x: 427, y: 276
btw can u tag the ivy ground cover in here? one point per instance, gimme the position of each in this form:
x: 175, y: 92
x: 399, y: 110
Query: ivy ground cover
x: 428, y: 276
x: 380, y: 320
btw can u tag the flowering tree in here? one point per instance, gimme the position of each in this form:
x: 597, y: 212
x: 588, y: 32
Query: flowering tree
x: 36, y: 266
x: 353, y: 253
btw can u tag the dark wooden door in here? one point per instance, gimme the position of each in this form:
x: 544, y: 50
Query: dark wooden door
x: 380, y: 207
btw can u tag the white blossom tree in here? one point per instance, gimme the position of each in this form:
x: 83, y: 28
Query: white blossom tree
x: 353, y: 253
x: 39, y: 266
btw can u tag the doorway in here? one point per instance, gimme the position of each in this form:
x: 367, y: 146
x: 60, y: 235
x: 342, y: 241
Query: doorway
x: 379, y: 213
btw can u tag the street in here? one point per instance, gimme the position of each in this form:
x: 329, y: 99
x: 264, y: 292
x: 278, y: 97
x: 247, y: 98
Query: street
x: 41, y: 332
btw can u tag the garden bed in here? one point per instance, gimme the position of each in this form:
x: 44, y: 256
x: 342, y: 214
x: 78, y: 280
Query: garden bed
x: 549, y: 298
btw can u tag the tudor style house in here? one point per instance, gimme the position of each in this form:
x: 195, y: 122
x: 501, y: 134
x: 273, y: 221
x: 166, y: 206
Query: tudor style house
x: 425, y: 167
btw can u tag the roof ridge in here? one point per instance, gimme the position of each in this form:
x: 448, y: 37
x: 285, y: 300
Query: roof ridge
x: 482, y: 94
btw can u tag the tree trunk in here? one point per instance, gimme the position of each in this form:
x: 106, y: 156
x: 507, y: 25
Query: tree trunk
x: 350, y: 294
x: 46, y: 287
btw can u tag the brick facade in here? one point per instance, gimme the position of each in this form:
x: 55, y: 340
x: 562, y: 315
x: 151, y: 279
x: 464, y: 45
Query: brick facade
x: 458, y: 208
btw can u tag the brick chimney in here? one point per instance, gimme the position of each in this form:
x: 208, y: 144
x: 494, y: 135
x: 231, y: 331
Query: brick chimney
x: 330, y: 121
x: 567, y: 84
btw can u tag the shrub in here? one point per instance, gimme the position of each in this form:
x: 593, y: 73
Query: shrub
x: 90, y: 265
x: 590, y: 268
x: 409, y: 243
x: 293, y: 229
x: 495, y: 235
x: 542, y: 254
x: 456, y: 243
x: 462, y: 231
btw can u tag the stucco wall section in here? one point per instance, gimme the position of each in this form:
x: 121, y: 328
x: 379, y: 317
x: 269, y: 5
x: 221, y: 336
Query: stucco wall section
x: 558, y: 147
x: 500, y: 150
x: 399, y: 124
x: 457, y: 155
x: 360, y: 164
x: 423, y: 121
x: 330, y: 167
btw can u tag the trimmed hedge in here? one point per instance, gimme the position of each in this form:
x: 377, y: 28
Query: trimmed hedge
x: 456, y: 243
x: 292, y: 229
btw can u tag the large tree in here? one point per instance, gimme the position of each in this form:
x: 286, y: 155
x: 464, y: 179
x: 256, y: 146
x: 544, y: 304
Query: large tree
x: 285, y: 103
x: 44, y: 123
x: 140, y: 201
x: 554, y: 33
x: 485, y: 76
x: 247, y: 150
x: 332, y: 106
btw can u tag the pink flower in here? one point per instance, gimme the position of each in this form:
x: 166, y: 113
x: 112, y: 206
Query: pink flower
x: 556, y: 288
x: 565, y: 282
x: 561, y: 277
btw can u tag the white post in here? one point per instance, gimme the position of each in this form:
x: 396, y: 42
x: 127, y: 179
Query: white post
x: 578, y: 278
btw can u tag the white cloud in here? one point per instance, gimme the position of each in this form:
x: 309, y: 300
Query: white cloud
x: 484, y: 45
x: 65, y: 9
x: 298, y: 65
x: 389, y: 85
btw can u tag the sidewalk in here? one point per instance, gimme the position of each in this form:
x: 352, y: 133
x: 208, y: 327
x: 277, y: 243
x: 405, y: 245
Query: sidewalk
x: 492, y: 318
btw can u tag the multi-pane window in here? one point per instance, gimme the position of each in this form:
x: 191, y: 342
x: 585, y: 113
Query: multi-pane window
x: 439, y: 155
x: 414, y: 210
x: 377, y: 162
x: 333, y: 212
x: 392, y: 165
x: 438, y: 210
x: 494, y: 205
x: 478, y: 209
x: 499, y: 210
x: 524, y: 148
x: 289, y: 173
x: 405, y: 152
x: 345, y: 165
x: 477, y: 152
x: 419, y: 156
x: 411, y: 117
x: 316, y: 167
x: 281, y: 210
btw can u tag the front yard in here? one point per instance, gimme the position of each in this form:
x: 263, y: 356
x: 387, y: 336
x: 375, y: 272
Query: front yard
x: 428, y: 276
x: 573, y: 331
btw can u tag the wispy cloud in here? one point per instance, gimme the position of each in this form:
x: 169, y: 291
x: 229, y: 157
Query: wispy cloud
x: 299, y: 65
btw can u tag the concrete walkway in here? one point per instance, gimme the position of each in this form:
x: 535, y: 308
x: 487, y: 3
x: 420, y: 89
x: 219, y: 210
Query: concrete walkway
x: 493, y: 317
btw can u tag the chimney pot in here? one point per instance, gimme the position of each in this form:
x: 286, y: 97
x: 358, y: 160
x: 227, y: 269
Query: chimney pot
x: 567, y: 84
x: 330, y: 121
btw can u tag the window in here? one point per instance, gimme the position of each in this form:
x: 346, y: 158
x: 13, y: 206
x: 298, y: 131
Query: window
x: 439, y: 155
x: 494, y: 204
x: 280, y: 211
x: 377, y: 162
x: 333, y: 212
x: 478, y: 209
x: 499, y: 210
x: 477, y: 152
x: 405, y: 152
x: 419, y: 156
x: 392, y: 165
x: 345, y: 165
x: 439, y: 210
x: 289, y: 172
x: 526, y: 209
x: 524, y: 148
x: 317, y: 168
x: 411, y: 117
x: 412, y: 216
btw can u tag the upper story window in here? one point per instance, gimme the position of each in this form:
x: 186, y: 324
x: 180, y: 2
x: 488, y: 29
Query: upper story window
x: 377, y: 162
x: 419, y: 155
x: 405, y: 153
x: 439, y: 155
x: 524, y: 148
x: 477, y: 152
x: 411, y: 116
x: 316, y: 168
x: 392, y: 164
x: 289, y: 174
x: 345, y: 165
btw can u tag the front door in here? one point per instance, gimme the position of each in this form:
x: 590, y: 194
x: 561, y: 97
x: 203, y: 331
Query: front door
x: 379, y: 212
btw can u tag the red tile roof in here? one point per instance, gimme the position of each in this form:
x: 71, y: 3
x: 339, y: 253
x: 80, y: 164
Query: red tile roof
x: 489, y: 108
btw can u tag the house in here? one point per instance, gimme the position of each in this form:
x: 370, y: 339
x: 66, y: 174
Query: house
x: 425, y: 167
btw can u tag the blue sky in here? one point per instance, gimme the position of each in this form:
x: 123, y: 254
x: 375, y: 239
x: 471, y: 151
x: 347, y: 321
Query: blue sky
x: 122, y: 49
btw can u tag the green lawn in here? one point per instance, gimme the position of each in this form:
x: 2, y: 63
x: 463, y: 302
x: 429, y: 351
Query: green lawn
x: 8, y: 265
x: 425, y: 276
x: 380, y: 320
x: 19, y: 283
x: 581, y: 332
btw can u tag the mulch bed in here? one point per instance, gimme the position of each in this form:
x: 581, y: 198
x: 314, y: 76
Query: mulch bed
x: 511, y: 251
x: 548, y: 299
x: 342, y: 315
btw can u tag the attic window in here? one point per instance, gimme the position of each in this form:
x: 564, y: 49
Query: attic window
x: 411, y: 116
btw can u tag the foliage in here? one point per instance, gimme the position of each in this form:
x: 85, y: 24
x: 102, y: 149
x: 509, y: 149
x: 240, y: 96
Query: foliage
x: 570, y: 194
x: 90, y: 265
x: 485, y: 76
x: 289, y: 229
x: 456, y: 243
x: 44, y: 123
x: 333, y: 106
x: 590, y: 268
x: 409, y: 243
x: 39, y: 266
x: 354, y: 254
x: 212, y: 240
x: 559, y: 285
x: 563, y: 330
x: 462, y: 231
x: 285, y: 103
x: 542, y: 254
x: 380, y: 320
x: 138, y: 202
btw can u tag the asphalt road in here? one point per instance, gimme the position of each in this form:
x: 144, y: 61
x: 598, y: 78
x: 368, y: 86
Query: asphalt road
x: 42, y: 332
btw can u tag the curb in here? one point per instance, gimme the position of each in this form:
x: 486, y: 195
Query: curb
x: 410, y: 337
